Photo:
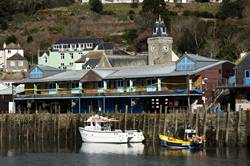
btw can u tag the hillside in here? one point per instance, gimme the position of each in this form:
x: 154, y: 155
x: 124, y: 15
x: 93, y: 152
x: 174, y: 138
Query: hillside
x: 75, y: 21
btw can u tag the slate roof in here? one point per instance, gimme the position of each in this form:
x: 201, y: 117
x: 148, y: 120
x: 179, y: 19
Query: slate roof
x: 71, y: 75
x: 199, y: 58
x: 8, y: 91
x: 92, y: 62
x: 16, y: 56
x: 47, y: 68
x: 105, y: 46
x: 151, y: 71
x: 76, y: 41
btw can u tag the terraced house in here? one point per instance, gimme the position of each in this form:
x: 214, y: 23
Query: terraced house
x: 185, y: 84
x: 65, y: 52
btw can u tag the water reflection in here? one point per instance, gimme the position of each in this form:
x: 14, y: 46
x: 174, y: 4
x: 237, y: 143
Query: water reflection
x: 181, y: 152
x: 99, y: 148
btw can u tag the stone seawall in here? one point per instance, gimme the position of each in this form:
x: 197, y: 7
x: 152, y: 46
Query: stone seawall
x: 230, y: 129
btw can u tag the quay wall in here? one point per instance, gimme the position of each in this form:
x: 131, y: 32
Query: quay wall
x: 221, y: 129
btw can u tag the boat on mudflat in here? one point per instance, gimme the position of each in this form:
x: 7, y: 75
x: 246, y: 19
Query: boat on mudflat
x: 190, y: 141
x: 99, y: 129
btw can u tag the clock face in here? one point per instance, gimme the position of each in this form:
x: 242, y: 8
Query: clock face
x: 152, y: 48
x: 166, y: 48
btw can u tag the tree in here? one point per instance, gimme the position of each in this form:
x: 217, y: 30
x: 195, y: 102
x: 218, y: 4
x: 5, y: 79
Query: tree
x: 4, y: 25
x: 11, y: 39
x: 231, y: 8
x: 96, y: 6
x: 155, y: 7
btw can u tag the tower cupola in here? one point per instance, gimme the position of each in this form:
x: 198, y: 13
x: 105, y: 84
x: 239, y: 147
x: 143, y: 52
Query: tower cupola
x: 160, y: 28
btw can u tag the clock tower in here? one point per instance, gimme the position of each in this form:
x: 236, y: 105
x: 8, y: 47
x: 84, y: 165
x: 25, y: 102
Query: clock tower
x: 160, y: 45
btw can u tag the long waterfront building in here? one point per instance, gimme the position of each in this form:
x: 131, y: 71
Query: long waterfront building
x: 186, y: 84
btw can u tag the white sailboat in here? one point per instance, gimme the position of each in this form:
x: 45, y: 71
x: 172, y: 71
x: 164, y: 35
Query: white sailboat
x: 98, y: 129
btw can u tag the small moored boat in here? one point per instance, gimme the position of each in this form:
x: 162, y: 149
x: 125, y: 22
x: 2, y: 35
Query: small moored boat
x: 99, y: 129
x: 191, y: 141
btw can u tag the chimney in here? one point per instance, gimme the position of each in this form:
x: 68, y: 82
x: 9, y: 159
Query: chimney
x: 4, y: 45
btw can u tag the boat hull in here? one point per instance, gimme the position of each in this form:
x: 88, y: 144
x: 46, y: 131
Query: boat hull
x: 135, y: 136
x: 103, y: 136
x: 174, y: 143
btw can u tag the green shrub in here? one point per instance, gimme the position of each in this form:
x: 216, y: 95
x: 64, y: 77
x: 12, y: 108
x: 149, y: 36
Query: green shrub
x: 231, y: 9
x: 29, y: 39
x: 55, y: 29
x: 130, y: 35
x: 107, y: 13
x: 96, y: 6
x: 4, y: 25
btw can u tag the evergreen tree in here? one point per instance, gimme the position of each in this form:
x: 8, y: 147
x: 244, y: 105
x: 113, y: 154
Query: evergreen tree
x: 156, y: 7
x: 96, y: 6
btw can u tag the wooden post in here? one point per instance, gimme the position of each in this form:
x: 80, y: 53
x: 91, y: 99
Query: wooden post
x: 165, y: 120
x: 238, y: 126
x: 154, y: 126
x: 116, y: 109
x: 58, y: 126
x: 120, y: 118
x: 1, y: 133
x: 126, y: 117
x: 196, y: 120
x: 159, y: 125
x: 148, y: 125
x: 227, y: 124
x: 176, y: 120
x: 133, y: 121
x: 205, y: 125
x: 144, y: 122
x: 217, y: 125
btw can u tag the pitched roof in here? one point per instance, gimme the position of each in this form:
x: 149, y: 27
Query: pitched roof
x: 199, y: 58
x: 91, y: 63
x: 46, y: 68
x: 105, y: 46
x: 12, y: 46
x: 16, y: 56
x: 76, y: 41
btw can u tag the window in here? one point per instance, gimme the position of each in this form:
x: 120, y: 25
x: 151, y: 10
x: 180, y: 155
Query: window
x: 62, y: 64
x: 52, y: 85
x: 71, y: 55
x: 71, y: 63
x: 247, y: 73
x: 164, y: 30
x: 62, y: 55
x: 9, y: 51
x: 36, y: 73
x: 12, y: 63
x: 20, y: 63
x: 74, y: 85
x: 151, y: 82
x: 100, y: 84
x: 120, y: 83
x: 155, y: 29
x: 185, y: 64
x: 46, y: 60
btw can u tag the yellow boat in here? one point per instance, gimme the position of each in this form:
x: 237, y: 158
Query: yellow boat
x: 192, y: 141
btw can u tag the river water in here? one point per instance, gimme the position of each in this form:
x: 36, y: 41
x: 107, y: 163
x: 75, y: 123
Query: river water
x: 84, y: 154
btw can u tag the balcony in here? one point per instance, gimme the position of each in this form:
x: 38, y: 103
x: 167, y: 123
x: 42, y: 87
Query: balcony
x: 53, y: 91
x: 76, y: 91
